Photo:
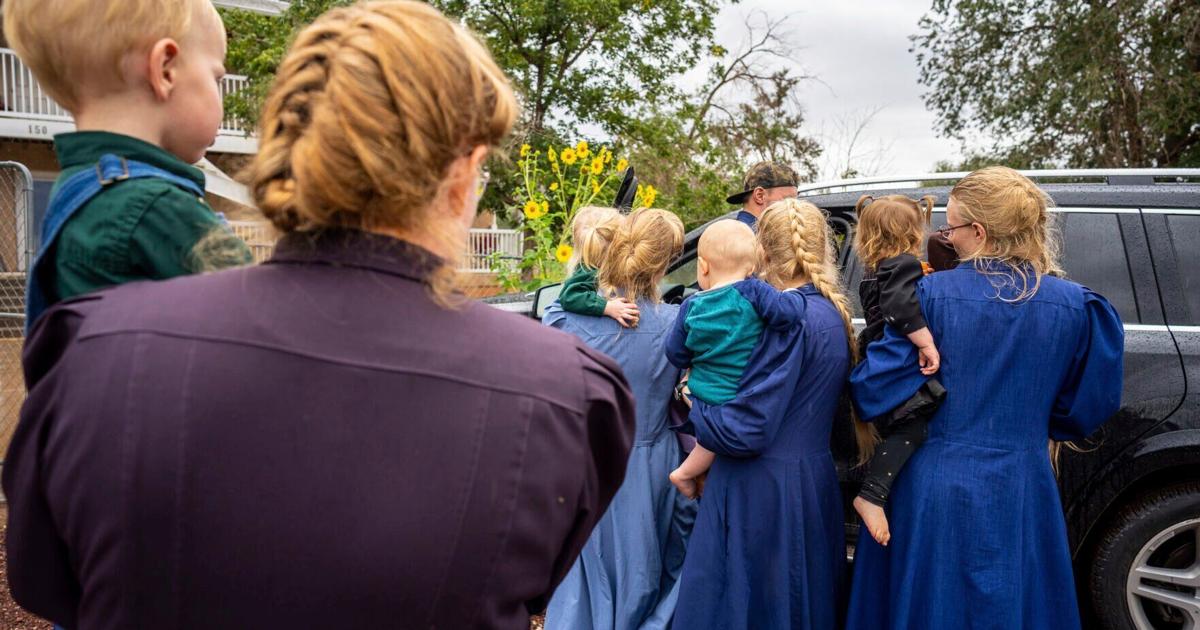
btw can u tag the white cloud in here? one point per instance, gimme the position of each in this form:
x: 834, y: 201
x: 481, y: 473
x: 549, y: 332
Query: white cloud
x: 858, y: 49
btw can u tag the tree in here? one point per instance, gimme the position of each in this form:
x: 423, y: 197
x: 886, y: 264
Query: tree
x: 697, y: 148
x: 1101, y: 83
x: 846, y: 157
x: 615, y: 64
x: 257, y: 44
x: 574, y: 61
x: 590, y: 61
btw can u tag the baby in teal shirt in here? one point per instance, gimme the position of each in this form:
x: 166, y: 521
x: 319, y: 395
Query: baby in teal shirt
x: 718, y: 328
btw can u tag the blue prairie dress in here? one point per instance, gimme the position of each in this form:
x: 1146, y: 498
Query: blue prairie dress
x: 768, y: 549
x: 978, y: 535
x: 627, y: 575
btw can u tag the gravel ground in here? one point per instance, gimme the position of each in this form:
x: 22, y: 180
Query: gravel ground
x: 12, y: 616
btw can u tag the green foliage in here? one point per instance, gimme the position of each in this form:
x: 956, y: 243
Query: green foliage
x: 1061, y: 82
x: 257, y: 44
x: 610, y: 63
x: 555, y: 182
x: 590, y: 61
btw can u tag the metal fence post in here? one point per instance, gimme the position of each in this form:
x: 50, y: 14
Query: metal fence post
x: 17, y: 248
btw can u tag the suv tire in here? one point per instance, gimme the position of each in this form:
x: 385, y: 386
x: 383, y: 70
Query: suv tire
x: 1158, y: 531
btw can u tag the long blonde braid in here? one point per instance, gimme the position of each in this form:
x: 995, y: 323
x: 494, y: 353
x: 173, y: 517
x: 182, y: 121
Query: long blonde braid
x: 798, y: 243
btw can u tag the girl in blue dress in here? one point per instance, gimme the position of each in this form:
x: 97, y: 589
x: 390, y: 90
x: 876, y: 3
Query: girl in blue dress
x: 980, y: 539
x: 768, y: 548
x: 626, y: 577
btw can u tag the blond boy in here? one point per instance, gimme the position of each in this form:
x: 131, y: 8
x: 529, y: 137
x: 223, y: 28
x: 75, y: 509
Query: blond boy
x: 141, y: 79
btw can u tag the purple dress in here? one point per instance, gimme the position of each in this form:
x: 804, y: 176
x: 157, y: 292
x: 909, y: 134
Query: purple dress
x: 311, y: 443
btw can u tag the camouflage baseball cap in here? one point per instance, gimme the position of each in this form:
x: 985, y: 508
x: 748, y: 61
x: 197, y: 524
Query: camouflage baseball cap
x: 764, y: 175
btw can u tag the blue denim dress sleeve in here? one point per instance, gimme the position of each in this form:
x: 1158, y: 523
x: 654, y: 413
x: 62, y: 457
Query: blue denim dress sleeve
x: 1092, y: 391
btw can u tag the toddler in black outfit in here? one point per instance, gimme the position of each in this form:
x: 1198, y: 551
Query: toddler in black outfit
x: 888, y: 239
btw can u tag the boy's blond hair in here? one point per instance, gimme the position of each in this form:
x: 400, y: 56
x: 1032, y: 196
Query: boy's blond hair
x: 592, y: 229
x: 76, y: 46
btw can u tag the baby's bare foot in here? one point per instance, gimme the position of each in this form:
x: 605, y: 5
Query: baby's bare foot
x: 875, y: 520
x: 686, y: 486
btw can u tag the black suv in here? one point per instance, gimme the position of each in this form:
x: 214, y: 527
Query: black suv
x: 1131, y: 494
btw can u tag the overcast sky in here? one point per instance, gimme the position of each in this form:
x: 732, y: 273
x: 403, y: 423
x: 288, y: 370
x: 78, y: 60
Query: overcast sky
x: 859, y: 51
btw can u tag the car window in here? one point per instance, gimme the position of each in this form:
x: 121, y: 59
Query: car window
x: 1185, y: 241
x: 684, y: 274
x: 1093, y: 254
x: 852, y: 273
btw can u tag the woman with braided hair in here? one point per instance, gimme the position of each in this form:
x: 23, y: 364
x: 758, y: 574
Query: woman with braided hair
x: 334, y: 439
x: 768, y: 547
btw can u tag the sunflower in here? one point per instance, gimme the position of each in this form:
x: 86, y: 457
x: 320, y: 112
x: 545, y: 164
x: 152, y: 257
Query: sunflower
x: 533, y: 209
x: 650, y: 195
x: 622, y: 164
x: 563, y: 253
x: 525, y: 150
x: 568, y: 156
x: 582, y: 148
x: 553, y: 186
x: 597, y: 165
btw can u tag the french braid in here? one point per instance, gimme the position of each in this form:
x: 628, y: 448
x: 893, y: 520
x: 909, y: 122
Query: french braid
x: 369, y: 110
x: 797, y: 243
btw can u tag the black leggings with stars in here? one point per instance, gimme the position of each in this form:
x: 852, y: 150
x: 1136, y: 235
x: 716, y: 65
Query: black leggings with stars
x: 904, y: 431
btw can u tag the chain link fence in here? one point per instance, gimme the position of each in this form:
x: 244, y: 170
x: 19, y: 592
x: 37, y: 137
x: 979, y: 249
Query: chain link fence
x: 16, y: 242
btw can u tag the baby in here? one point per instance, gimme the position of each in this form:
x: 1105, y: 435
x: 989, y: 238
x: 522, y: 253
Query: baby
x: 718, y: 328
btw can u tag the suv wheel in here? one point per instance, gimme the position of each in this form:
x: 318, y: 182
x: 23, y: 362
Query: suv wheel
x: 1146, y: 572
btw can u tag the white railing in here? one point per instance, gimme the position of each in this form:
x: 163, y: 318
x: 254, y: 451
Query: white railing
x: 21, y: 96
x: 230, y: 84
x: 259, y: 235
x: 483, y: 242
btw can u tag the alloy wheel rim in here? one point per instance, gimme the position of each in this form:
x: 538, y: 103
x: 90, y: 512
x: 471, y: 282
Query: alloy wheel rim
x: 1176, y: 588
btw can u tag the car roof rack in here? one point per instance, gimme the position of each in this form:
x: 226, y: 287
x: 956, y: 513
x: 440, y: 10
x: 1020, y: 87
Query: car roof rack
x: 1110, y: 176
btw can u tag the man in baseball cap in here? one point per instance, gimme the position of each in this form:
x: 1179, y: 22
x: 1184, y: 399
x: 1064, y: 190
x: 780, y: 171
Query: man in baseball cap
x: 765, y: 183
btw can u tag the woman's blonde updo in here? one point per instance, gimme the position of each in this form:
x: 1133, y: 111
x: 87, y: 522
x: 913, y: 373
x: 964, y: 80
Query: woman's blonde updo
x: 640, y: 248
x: 369, y: 108
x: 797, y: 244
x: 1015, y: 214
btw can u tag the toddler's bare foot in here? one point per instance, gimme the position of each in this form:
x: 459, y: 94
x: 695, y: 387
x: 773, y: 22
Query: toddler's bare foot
x: 686, y: 486
x: 875, y: 520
